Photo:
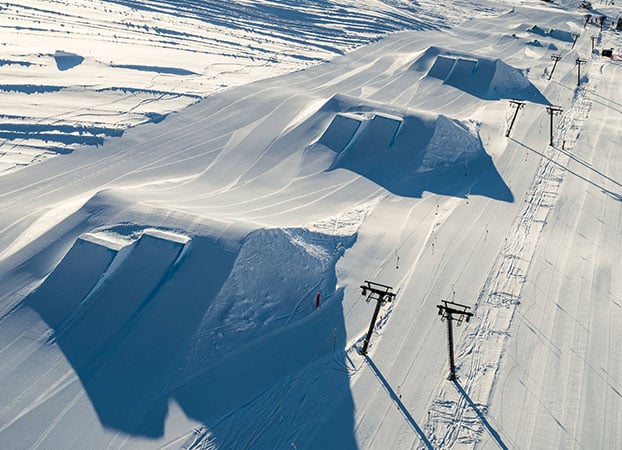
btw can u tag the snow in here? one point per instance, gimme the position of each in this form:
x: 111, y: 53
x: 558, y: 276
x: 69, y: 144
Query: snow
x: 180, y: 180
x: 81, y: 71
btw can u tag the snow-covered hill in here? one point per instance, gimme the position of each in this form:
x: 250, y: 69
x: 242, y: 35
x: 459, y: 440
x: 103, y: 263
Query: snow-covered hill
x: 161, y: 288
x: 78, y: 72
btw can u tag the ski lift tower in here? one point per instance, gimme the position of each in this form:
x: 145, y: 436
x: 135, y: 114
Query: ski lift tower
x: 451, y: 311
x: 517, y: 105
x: 579, y: 61
x: 575, y: 36
x: 382, y: 294
x: 552, y: 111
x: 555, y: 59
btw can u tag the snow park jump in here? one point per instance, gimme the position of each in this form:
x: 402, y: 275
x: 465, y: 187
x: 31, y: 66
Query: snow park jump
x: 193, y: 195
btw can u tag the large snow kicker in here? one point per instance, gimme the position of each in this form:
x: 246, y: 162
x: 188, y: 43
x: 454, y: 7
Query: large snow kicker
x: 95, y: 318
x: 486, y: 78
x: 406, y: 151
x: 85, y: 264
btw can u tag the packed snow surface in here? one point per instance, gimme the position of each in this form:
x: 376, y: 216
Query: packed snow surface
x: 77, y: 72
x: 193, y: 192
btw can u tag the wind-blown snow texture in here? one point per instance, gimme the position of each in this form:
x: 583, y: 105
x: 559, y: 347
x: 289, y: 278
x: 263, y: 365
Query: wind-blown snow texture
x: 76, y: 73
x: 160, y: 274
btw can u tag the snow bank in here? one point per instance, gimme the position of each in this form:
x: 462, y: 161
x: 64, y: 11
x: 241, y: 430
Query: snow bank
x: 452, y: 144
x: 126, y: 310
x: 560, y: 35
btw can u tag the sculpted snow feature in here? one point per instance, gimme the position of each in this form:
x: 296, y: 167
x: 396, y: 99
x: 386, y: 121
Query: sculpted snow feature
x: 192, y: 280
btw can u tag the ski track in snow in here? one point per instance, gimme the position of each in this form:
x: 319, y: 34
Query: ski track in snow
x: 79, y: 93
x: 249, y: 192
x: 453, y: 419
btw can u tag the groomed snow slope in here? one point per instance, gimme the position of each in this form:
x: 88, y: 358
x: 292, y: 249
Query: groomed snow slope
x: 75, y: 73
x: 160, y: 291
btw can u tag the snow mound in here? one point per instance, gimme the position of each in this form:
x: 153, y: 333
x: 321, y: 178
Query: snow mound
x: 273, y: 283
x: 125, y: 309
x: 452, y: 144
x: 404, y: 151
x: 560, y: 35
x: 66, y: 60
x: 489, y: 79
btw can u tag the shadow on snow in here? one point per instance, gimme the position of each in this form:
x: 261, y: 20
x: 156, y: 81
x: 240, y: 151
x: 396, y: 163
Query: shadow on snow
x: 398, y: 400
x: 495, y: 435
x: 132, y: 323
